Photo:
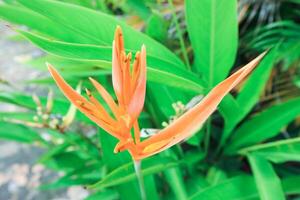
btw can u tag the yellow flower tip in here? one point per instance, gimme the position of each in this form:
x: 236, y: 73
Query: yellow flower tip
x: 118, y: 32
x: 51, y: 69
x: 143, y: 51
x: 49, y: 65
x: 88, y: 92
x: 118, y: 29
x: 92, y: 80
x: 117, y: 149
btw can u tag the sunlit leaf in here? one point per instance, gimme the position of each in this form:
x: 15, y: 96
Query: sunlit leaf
x: 264, y: 125
x: 267, y: 182
x: 213, y: 31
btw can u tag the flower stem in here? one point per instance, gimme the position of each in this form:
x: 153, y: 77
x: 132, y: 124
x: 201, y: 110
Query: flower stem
x: 139, y: 175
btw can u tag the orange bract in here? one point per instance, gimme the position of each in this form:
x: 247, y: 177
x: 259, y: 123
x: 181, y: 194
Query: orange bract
x: 130, y: 87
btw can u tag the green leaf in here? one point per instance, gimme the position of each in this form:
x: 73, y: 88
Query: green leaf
x: 68, y: 67
x: 267, y: 181
x: 234, y: 110
x: 291, y: 185
x: 24, y: 116
x: 242, y: 187
x: 39, y: 23
x: 87, y: 174
x: 213, y: 30
x: 255, y: 84
x: 157, y: 27
x: 18, y: 133
x: 264, y: 125
x: 53, y: 151
x: 215, y: 175
x: 126, y: 172
x: 158, y: 70
x: 277, y: 152
x: 98, y: 27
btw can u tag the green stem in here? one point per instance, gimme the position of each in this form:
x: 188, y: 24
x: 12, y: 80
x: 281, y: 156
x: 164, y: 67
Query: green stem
x: 181, y: 41
x: 139, y: 175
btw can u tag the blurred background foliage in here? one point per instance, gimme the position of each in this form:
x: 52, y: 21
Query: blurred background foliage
x: 249, y: 148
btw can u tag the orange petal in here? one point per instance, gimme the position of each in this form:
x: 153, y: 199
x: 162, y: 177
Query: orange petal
x: 80, y: 102
x: 119, y: 39
x: 117, y: 63
x: 107, y: 98
x: 126, y: 79
x: 192, y: 120
x: 122, y: 145
x: 138, y: 97
x: 117, y: 75
x: 135, y: 72
x: 155, y: 146
x: 100, y: 109
x: 137, y: 132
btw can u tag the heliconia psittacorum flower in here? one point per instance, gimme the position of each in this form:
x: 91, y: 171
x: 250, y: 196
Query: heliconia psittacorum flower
x: 129, y: 84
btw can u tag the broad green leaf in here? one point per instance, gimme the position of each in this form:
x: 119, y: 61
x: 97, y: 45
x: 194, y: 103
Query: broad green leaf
x: 291, y: 185
x: 267, y: 182
x: 242, y: 187
x: 39, y: 23
x: 235, y: 109
x: 213, y: 30
x: 69, y: 67
x: 18, y: 133
x: 126, y: 172
x: 157, y: 27
x: 215, y: 175
x: 196, y: 183
x: 255, y: 84
x: 158, y: 70
x: 264, y: 125
x: 277, y: 152
x: 97, y: 26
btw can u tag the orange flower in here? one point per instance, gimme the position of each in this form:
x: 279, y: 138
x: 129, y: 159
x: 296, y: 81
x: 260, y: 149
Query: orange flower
x: 130, y: 87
